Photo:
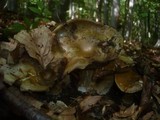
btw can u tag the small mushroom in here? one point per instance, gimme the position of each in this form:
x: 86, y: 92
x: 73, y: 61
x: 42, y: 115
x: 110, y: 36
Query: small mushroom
x: 129, y: 81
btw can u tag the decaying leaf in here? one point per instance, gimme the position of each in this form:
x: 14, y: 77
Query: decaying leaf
x: 89, y: 102
x: 148, y: 116
x: 129, y: 81
x: 6, y: 49
x: 61, y: 111
x: 57, y: 107
x: 128, y: 112
x: 68, y: 114
x: 156, y: 93
x: 38, y: 43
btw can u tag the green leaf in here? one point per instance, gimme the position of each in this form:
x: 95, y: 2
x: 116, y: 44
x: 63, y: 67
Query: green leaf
x: 45, y: 20
x: 37, y: 19
x: 35, y: 24
x: 40, y: 4
x: 47, y: 13
x: 35, y: 10
x: 17, y: 27
x: 144, y: 14
x: 27, y: 22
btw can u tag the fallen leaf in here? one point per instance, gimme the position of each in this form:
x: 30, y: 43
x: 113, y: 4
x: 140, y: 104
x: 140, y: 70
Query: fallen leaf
x: 68, y: 114
x: 38, y: 43
x: 148, y: 116
x: 128, y: 112
x: 89, y: 102
x: 57, y: 107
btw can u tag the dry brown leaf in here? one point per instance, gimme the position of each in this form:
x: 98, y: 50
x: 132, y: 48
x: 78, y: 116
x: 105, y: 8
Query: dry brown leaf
x: 38, y: 44
x: 57, y: 107
x: 5, y: 51
x: 127, y: 112
x: 60, y: 111
x: 89, y: 102
x: 68, y: 114
x: 148, y: 116
x: 67, y: 117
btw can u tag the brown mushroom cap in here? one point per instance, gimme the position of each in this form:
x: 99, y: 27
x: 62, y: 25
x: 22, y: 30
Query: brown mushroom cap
x: 84, y: 42
x: 129, y: 81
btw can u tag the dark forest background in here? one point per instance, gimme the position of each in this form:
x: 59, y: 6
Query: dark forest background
x: 135, y: 19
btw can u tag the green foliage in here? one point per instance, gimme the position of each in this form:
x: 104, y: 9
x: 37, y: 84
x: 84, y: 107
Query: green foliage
x: 144, y: 20
x: 35, y: 10
x: 40, y: 10
x: 40, y: 13
x: 16, y: 27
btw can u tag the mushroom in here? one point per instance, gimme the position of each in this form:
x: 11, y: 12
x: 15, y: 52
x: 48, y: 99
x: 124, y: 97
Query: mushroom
x: 84, y: 42
x: 75, y: 44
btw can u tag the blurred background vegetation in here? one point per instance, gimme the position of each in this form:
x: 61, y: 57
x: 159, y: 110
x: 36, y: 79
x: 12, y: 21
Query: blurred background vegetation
x: 135, y: 19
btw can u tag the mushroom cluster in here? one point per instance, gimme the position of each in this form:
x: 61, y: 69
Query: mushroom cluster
x: 42, y: 58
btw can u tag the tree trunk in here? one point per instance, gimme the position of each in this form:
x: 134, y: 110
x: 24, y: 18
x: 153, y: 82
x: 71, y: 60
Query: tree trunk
x: 106, y: 12
x: 130, y: 20
x: 127, y: 30
x: 99, y: 10
x: 11, y: 5
x: 124, y: 32
x: 156, y: 34
x: 72, y: 9
x: 115, y: 13
x: 59, y: 9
